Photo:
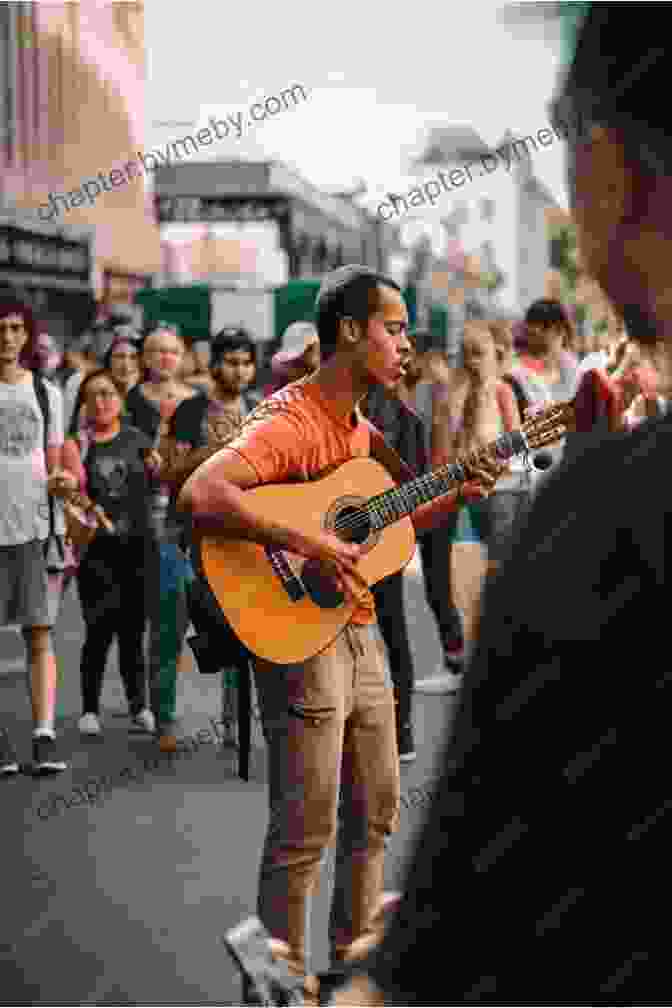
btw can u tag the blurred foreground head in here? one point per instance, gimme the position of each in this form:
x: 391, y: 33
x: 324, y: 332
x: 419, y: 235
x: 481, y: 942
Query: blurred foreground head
x: 619, y: 159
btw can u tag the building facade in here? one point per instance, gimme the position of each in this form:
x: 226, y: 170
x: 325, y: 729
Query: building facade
x: 497, y: 239
x: 71, y: 113
x: 261, y: 219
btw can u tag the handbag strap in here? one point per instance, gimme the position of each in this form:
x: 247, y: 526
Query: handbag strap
x: 42, y: 397
x: 83, y: 454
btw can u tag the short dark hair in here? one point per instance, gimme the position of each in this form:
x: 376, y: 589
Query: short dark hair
x: 619, y: 69
x: 421, y: 339
x: 547, y: 312
x: 118, y: 341
x: 347, y: 292
x: 10, y: 305
x: 228, y: 340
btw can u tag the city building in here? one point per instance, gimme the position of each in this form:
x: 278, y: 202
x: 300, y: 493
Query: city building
x: 496, y: 224
x: 71, y: 141
x: 555, y: 26
x: 247, y: 223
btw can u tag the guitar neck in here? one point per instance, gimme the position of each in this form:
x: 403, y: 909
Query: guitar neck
x: 392, y: 505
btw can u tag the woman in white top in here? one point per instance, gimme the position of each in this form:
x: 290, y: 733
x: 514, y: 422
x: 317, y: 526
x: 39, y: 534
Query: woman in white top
x: 547, y: 369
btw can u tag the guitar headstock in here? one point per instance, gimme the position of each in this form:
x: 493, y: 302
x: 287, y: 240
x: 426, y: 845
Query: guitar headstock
x: 547, y: 424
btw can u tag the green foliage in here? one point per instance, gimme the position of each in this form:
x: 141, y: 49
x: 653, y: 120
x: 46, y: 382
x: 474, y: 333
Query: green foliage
x: 493, y: 280
x: 564, y: 242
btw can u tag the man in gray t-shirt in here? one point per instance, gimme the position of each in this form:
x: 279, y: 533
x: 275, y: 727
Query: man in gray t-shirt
x: 24, y: 525
x: 24, y: 507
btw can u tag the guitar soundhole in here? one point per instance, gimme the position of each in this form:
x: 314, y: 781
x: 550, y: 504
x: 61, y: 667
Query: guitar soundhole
x: 321, y: 587
x: 352, y: 525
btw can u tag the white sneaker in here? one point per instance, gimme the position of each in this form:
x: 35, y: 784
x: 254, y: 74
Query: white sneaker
x: 89, y: 724
x: 144, y: 721
x: 444, y: 682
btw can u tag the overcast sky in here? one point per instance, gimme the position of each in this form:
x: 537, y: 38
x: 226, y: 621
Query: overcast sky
x: 375, y: 75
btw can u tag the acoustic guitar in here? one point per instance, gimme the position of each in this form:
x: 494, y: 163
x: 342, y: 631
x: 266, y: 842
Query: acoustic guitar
x: 281, y: 605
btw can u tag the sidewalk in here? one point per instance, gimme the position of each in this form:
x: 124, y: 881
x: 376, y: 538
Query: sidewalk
x: 119, y: 893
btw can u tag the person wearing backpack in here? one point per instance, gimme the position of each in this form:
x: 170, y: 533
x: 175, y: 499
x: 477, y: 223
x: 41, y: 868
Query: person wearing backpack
x: 31, y: 531
x: 199, y: 427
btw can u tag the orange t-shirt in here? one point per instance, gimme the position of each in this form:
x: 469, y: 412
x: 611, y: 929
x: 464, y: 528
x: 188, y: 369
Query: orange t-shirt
x: 295, y: 435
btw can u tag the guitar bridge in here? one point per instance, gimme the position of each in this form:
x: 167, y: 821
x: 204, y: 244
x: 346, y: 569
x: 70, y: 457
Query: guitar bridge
x: 291, y: 583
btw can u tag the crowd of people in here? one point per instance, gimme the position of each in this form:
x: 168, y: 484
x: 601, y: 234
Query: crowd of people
x: 131, y: 416
x: 541, y: 863
x: 159, y: 439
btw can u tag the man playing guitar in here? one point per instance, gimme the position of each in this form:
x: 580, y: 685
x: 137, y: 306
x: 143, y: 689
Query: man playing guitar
x: 330, y: 720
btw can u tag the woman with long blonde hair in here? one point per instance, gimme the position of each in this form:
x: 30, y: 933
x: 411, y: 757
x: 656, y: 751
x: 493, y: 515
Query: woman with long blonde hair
x: 476, y: 407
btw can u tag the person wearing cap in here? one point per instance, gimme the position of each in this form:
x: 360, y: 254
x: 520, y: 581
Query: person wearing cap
x: 298, y: 356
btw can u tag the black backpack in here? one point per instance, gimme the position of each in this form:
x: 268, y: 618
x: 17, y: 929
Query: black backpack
x: 54, y: 546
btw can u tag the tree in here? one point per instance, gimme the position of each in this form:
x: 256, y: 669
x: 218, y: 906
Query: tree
x: 563, y: 258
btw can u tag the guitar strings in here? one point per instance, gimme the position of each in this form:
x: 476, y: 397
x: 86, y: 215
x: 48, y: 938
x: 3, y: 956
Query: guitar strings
x: 421, y: 484
x: 361, y: 520
x: 418, y: 485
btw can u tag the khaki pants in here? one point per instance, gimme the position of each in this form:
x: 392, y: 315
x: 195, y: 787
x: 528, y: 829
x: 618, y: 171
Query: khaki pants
x: 329, y: 725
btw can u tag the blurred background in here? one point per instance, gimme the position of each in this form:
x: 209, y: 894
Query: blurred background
x: 352, y: 105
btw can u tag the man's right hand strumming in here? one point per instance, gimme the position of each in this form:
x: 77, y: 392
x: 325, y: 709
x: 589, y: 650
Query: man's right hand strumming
x: 219, y: 507
x: 337, y: 559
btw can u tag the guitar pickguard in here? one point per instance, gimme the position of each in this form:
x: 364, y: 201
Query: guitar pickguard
x: 300, y: 577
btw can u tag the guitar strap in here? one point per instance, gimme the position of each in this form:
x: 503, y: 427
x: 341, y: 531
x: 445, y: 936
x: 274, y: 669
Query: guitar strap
x: 384, y: 453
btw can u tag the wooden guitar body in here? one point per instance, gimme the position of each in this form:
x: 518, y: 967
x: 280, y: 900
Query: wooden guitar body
x: 277, y: 603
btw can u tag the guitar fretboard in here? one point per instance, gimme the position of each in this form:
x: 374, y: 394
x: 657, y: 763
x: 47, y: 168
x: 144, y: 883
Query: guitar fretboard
x: 390, y: 506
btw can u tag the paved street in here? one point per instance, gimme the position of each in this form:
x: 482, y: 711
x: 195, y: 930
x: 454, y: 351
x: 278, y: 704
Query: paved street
x: 121, y: 896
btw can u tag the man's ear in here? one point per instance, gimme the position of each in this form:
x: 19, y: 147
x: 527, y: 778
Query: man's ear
x: 358, y: 331
x: 349, y: 332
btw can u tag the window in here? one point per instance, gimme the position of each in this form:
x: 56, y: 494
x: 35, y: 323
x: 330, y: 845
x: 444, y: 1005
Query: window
x: 20, y: 108
x: 7, y: 77
x: 487, y: 210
